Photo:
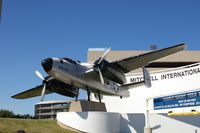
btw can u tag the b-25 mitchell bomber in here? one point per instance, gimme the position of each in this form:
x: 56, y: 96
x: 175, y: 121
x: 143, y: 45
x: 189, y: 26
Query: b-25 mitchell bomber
x: 66, y: 76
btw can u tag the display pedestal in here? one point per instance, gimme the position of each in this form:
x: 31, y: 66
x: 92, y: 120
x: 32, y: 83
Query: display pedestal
x: 83, y: 106
x: 147, y: 130
x: 90, y: 122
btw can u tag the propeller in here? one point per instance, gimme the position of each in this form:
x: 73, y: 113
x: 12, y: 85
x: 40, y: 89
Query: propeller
x: 39, y: 75
x: 101, y: 76
x: 97, y: 64
x: 44, y: 84
x: 43, y: 92
x: 104, y: 55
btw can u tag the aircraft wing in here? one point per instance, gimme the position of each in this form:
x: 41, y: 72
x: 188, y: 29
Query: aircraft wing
x: 167, y: 64
x: 31, y: 93
x: 134, y: 62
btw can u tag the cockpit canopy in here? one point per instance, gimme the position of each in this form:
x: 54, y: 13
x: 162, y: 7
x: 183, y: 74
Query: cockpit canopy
x: 70, y: 60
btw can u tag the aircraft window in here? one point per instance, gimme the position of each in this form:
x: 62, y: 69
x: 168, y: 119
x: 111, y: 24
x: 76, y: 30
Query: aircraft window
x: 61, y: 61
x: 69, y: 60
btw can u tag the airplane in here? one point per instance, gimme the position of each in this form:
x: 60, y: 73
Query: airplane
x: 102, y: 77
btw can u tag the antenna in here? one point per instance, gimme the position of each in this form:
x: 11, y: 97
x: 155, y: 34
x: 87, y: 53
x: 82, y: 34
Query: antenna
x: 153, y: 47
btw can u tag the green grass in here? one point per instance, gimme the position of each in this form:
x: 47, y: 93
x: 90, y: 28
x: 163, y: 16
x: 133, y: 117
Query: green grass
x: 8, y: 125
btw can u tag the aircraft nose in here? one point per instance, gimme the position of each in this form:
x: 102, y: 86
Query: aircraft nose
x: 47, y: 64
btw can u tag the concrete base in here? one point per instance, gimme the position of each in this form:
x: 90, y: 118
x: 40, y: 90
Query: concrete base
x: 68, y: 128
x: 83, y: 106
x: 147, y: 130
x: 90, y: 122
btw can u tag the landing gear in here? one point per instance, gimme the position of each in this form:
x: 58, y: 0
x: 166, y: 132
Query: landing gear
x: 88, y: 94
x: 77, y: 94
x: 99, y: 95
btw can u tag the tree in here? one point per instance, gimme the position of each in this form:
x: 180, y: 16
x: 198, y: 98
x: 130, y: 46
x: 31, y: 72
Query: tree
x: 6, y: 113
x: 9, y: 114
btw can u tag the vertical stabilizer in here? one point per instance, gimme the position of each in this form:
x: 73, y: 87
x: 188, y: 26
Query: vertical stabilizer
x: 147, y: 79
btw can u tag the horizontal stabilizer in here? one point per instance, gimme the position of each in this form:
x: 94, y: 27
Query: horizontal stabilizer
x: 132, y: 85
x: 146, y: 81
x: 31, y: 93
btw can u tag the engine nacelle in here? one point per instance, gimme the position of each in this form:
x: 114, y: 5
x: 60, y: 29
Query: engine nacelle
x: 62, y: 88
x: 110, y: 72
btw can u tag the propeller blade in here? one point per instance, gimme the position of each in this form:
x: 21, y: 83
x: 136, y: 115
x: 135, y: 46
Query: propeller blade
x: 49, y: 79
x: 104, y: 55
x: 101, y: 76
x: 43, y: 92
x: 39, y: 75
x: 89, y: 71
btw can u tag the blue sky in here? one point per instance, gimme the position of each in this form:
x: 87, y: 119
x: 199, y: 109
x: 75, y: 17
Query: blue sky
x: 32, y: 30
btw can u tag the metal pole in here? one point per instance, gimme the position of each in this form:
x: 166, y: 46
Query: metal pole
x: 147, y: 128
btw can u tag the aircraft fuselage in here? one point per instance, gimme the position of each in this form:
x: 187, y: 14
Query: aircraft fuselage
x: 73, y: 73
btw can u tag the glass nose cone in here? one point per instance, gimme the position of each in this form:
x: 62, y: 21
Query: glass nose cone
x: 47, y: 64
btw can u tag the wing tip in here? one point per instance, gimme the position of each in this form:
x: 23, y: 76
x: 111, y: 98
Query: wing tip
x: 16, y: 97
x: 182, y: 46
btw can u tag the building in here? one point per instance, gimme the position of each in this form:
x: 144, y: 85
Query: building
x: 175, y: 88
x: 49, y: 109
x: 169, y: 81
x: 175, y: 60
